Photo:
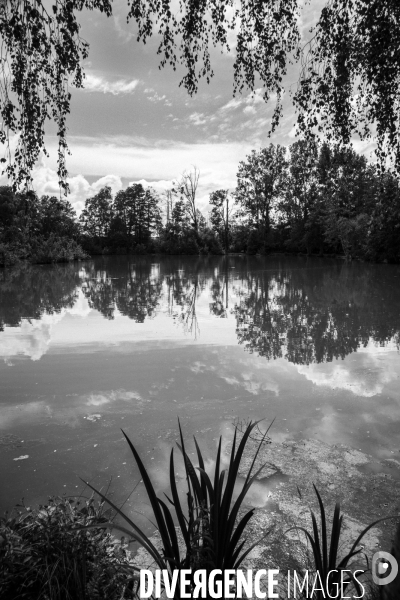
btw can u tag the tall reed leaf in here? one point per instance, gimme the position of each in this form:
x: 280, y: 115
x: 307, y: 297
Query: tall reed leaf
x: 331, y: 570
x: 210, y: 528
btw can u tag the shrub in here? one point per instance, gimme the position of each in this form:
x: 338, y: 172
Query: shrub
x: 56, y: 249
x: 254, y: 242
x: 209, y: 242
x: 46, y: 555
x: 139, y: 249
x: 8, y: 256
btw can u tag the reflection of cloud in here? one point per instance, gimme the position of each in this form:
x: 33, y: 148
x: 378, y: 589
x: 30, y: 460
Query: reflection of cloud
x: 31, y: 338
x: 72, y: 409
x: 365, y: 376
x: 99, y: 398
x: 23, y: 412
x: 254, y: 383
x: 231, y: 380
x: 198, y: 367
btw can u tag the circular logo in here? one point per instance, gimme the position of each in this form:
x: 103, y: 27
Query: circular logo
x: 384, y: 568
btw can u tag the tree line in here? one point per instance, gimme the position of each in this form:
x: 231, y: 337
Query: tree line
x: 311, y: 198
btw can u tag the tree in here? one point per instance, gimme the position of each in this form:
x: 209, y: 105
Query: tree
x: 384, y: 225
x: 300, y: 205
x: 97, y: 214
x: 57, y: 216
x: 178, y: 236
x: 350, y: 78
x: 347, y: 195
x: 220, y: 215
x: 187, y: 187
x: 261, y: 182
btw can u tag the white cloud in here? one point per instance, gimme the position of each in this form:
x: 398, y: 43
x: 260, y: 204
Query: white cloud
x: 197, y: 119
x: 156, y: 164
x: 159, y: 186
x: 98, y: 83
x: 123, y: 30
x: 45, y: 182
x: 232, y: 104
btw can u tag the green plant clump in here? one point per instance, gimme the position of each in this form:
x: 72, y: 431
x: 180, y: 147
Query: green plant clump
x: 46, y: 555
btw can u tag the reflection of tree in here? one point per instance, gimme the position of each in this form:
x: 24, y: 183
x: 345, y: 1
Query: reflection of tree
x: 29, y: 291
x: 312, y: 315
x: 183, y: 289
x: 130, y: 286
x: 304, y: 311
x: 139, y: 295
x: 220, y: 293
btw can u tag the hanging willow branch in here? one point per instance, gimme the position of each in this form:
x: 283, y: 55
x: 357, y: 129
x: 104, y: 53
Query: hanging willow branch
x: 350, y: 78
x: 349, y: 83
x: 42, y: 53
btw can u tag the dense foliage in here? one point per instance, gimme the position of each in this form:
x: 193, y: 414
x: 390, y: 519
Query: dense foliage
x: 45, y: 554
x: 43, y: 230
x: 317, y: 199
x: 349, y: 83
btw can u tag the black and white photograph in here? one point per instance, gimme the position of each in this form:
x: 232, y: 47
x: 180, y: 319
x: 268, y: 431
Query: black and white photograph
x: 199, y: 299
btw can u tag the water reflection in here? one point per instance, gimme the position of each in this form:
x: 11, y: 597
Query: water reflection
x: 315, y: 315
x: 303, y: 310
x: 30, y: 292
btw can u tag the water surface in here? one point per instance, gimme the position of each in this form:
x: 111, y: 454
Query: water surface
x: 134, y: 342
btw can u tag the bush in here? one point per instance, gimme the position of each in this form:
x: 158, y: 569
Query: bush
x: 8, y: 256
x: 46, y: 555
x: 209, y: 242
x: 176, y: 240
x: 139, y: 249
x: 254, y: 243
x: 57, y: 249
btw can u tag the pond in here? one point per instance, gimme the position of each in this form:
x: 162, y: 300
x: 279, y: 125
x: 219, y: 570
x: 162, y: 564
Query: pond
x: 136, y: 342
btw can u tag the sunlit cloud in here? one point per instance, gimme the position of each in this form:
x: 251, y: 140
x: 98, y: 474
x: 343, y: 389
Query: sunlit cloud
x: 155, y: 165
x: 98, y: 83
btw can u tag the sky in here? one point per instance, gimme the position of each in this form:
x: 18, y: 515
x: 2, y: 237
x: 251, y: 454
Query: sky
x: 133, y: 123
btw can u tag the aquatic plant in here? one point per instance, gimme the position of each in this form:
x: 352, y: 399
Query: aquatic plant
x: 210, y: 526
x: 334, y: 575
